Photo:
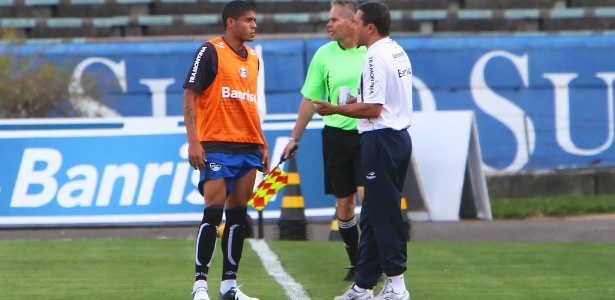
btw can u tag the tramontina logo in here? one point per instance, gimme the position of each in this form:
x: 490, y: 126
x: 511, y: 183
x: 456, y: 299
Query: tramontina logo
x: 243, y: 72
x: 215, y: 167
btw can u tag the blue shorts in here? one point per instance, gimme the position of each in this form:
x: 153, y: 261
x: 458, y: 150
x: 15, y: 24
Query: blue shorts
x: 230, y: 166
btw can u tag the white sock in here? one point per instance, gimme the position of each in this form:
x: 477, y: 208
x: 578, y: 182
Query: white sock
x: 398, y: 284
x: 199, y: 284
x: 226, y: 285
x: 358, y: 289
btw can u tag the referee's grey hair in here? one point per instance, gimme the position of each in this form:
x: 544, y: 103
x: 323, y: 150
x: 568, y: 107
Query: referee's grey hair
x: 349, y: 7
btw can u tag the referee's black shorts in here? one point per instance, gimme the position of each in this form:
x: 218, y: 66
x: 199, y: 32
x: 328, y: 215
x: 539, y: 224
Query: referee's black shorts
x: 342, y: 160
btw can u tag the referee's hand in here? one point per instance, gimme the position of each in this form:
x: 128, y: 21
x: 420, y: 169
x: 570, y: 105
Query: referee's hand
x: 290, y: 150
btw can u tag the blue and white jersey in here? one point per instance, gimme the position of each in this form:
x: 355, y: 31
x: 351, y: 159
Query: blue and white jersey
x: 386, y: 79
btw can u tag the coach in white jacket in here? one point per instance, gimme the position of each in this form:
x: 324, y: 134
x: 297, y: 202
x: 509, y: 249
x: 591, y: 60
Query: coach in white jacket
x: 384, y: 112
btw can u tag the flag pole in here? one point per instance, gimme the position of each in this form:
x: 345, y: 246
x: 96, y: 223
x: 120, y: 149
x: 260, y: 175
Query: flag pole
x: 261, y: 229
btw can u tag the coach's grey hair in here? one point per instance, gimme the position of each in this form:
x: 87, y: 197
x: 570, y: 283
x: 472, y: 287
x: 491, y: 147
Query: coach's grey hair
x: 350, y: 7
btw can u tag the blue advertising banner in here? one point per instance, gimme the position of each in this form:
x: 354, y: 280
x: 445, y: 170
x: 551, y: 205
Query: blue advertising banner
x: 122, y: 171
x: 541, y: 101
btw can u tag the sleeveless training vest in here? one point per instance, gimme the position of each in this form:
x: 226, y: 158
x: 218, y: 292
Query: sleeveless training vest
x: 227, y: 111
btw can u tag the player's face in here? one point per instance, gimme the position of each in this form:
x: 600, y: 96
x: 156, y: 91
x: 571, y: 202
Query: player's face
x: 360, y: 28
x: 245, y: 26
x: 339, y: 27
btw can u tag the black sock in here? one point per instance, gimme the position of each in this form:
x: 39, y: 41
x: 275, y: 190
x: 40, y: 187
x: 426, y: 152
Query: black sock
x: 232, y: 241
x: 350, y: 235
x: 206, y: 240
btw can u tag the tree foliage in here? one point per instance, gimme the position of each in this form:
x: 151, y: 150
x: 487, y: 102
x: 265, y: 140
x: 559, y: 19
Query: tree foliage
x: 33, y: 86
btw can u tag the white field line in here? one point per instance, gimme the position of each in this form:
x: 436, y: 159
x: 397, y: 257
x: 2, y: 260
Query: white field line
x: 270, y: 260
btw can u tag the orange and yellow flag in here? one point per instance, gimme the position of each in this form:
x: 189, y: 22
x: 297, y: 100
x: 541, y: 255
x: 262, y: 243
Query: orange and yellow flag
x: 271, y: 184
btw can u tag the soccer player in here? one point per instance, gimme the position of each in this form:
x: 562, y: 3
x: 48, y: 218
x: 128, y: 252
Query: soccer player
x: 334, y: 65
x: 225, y: 142
x: 384, y: 111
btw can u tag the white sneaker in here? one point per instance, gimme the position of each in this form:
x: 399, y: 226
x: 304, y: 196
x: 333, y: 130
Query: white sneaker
x: 388, y: 294
x: 235, y: 294
x: 200, y: 294
x: 352, y: 294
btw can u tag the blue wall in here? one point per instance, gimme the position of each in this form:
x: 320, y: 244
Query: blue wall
x: 550, y: 95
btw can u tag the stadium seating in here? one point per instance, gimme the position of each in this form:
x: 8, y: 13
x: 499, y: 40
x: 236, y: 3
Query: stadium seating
x: 129, y: 18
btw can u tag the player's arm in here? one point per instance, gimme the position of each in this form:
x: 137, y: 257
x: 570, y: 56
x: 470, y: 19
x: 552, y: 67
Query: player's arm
x: 200, y: 76
x: 196, y: 155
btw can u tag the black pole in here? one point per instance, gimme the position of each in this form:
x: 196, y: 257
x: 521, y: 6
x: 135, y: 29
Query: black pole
x: 261, y: 230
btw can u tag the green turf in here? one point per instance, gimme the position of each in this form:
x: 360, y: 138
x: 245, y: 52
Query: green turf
x: 474, y: 270
x: 552, y: 206
x: 162, y: 269
x: 113, y: 269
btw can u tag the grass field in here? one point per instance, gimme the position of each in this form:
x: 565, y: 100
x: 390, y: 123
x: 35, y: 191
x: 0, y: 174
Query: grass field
x: 552, y: 206
x: 162, y: 269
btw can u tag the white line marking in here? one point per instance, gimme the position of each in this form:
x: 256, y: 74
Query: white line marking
x: 293, y: 289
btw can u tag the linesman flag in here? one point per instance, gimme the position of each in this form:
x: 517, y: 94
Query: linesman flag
x: 271, y: 184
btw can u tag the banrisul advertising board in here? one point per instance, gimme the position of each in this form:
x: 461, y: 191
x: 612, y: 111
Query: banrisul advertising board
x: 132, y: 170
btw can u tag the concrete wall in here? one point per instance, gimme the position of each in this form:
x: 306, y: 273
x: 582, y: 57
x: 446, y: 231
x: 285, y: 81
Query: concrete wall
x: 552, y: 183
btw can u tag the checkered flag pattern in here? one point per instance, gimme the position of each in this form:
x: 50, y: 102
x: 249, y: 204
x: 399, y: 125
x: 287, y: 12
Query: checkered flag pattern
x: 271, y: 184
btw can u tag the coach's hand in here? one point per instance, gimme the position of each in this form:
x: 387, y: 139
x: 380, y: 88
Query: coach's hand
x: 324, y: 108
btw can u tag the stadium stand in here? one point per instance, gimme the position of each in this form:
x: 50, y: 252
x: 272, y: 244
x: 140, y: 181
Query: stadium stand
x: 134, y: 18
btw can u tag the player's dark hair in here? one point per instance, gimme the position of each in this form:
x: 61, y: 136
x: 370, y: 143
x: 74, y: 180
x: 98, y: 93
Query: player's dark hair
x: 349, y: 7
x: 377, y: 13
x: 235, y: 9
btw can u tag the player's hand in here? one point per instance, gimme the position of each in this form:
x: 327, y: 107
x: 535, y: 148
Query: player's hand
x: 265, y: 160
x: 290, y: 150
x: 324, y: 108
x: 196, y: 155
x: 351, y: 100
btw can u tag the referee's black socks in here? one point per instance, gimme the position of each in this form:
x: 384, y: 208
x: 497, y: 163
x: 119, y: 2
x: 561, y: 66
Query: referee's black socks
x: 350, y: 235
